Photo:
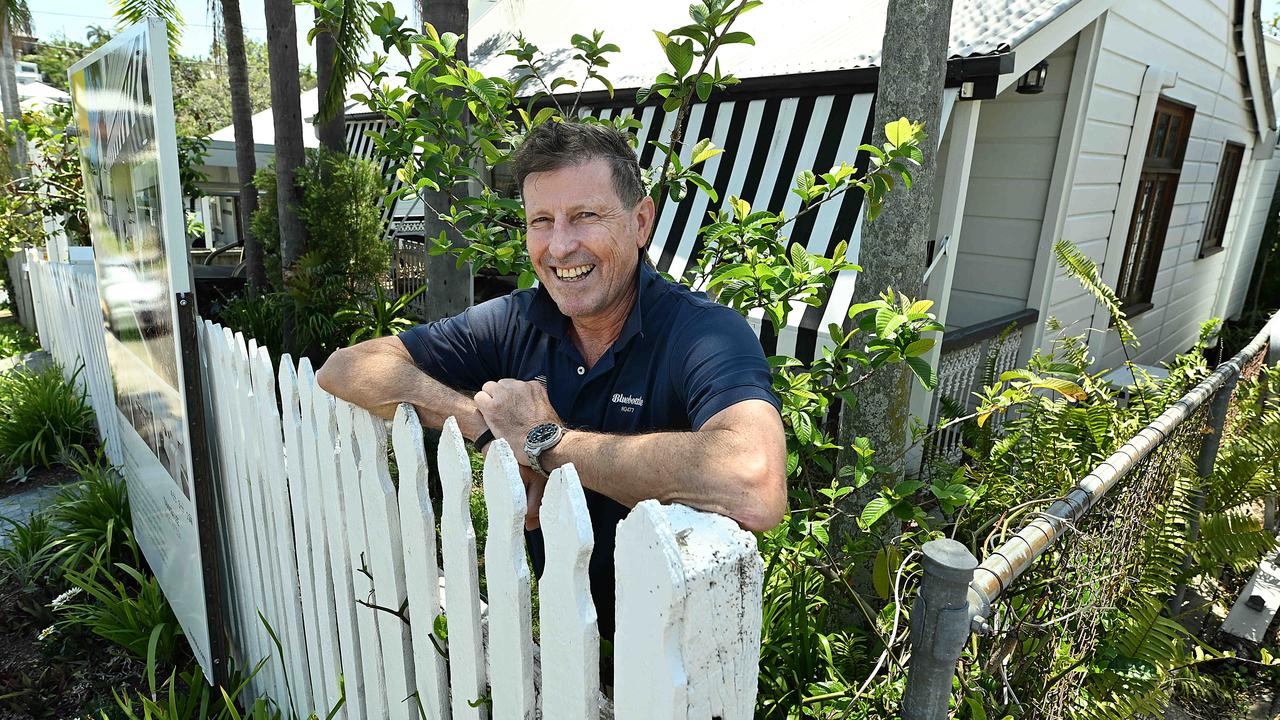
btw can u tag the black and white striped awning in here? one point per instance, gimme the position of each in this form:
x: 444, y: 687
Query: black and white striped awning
x: 767, y: 141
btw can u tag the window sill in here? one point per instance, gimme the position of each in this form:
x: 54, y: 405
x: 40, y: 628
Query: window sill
x: 1210, y: 252
x: 1136, y: 309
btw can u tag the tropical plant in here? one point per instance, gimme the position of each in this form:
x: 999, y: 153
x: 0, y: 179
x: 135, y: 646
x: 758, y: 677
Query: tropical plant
x: 378, y: 314
x: 93, y: 518
x: 129, y: 609
x: 42, y: 416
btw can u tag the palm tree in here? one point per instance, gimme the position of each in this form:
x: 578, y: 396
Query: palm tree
x: 132, y: 11
x: 15, y: 17
x: 339, y: 37
x: 286, y: 111
x: 242, y: 125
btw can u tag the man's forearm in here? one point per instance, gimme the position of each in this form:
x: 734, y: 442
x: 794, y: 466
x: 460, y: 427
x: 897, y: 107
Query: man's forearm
x: 380, y: 376
x: 712, y: 470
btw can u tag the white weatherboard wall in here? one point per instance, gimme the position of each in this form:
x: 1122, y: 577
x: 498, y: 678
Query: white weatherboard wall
x: 1008, y: 189
x: 1194, y: 39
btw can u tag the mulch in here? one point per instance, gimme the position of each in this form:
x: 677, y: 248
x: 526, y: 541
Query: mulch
x: 69, y: 674
x: 37, y: 478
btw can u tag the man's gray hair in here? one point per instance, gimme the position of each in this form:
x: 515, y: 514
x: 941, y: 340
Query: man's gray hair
x: 555, y: 145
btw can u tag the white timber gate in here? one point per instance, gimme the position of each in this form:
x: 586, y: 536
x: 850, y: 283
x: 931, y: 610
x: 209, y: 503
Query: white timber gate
x: 336, y: 567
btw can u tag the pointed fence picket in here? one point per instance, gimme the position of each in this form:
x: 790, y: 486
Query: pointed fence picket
x: 349, y: 568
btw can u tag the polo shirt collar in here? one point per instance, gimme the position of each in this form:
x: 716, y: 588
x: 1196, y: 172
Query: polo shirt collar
x: 546, y: 316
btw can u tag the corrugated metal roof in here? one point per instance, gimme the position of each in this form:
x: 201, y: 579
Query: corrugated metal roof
x: 792, y: 37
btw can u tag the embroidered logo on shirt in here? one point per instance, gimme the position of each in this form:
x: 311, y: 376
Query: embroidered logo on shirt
x: 629, y: 403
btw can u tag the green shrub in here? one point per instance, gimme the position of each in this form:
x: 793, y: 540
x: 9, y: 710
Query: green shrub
x: 130, y: 610
x: 42, y: 417
x: 94, y: 519
x: 15, y: 340
x: 31, y: 553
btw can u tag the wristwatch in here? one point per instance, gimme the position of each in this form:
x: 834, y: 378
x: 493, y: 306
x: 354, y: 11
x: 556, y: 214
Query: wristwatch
x: 540, y: 439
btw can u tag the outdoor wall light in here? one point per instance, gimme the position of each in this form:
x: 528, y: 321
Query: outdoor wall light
x: 1032, y: 82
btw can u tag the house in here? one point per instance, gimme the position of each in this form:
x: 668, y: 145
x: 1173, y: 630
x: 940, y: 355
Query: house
x: 1149, y: 144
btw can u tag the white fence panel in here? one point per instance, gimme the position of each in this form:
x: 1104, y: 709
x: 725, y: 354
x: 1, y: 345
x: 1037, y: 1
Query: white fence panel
x: 313, y: 530
x: 308, y: 549
x: 336, y: 468
x: 357, y: 548
x: 507, y: 572
x: 567, y: 615
x: 422, y: 579
x: 313, y: 454
x: 275, y: 488
x: 462, y: 579
x: 386, y: 560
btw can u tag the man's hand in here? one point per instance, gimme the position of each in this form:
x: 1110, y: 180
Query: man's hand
x: 535, y: 486
x: 511, y: 408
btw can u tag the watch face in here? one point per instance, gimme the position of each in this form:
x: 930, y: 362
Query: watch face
x: 542, y: 433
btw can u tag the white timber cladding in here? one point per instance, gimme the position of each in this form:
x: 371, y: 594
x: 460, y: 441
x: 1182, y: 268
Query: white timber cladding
x: 1192, y: 40
x: 1012, y: 169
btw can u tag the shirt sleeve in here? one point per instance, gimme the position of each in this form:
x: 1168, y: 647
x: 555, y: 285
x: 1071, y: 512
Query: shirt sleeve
x: 723, y: 365
x: 463, y: 351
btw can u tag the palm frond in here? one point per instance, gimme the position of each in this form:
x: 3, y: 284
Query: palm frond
x: 15, y: 16
x: 347, y: 24
x: 129, y: 12
x: 1085, y: 271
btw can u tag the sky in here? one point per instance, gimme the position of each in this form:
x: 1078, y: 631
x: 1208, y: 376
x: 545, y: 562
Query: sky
x: 73, y: 17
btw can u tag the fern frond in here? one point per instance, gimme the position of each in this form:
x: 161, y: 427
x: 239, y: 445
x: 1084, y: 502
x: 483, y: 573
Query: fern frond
x: 1234, y: 539
x: 1085, y: 271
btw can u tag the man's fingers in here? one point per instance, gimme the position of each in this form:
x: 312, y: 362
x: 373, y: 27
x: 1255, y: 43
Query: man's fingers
x: 534, y: 491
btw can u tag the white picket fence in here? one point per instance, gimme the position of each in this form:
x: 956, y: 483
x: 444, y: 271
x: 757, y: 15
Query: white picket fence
x: 342, y: 563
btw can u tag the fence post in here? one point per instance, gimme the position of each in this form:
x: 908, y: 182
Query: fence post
x: 939, y: 627
x: 1205, y: 460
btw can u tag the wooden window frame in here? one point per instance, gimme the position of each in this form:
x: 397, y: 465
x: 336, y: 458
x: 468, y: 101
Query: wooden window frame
x: 1224, y: 194
x: 1153, y: 203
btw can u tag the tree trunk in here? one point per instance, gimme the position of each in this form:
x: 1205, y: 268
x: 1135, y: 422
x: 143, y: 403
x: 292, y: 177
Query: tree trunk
x: 9, y: 99
x: 893, y: 249
x: 286, y: 110
x: 242, y: 124
x: 449, y: 289
x: 332, y: 131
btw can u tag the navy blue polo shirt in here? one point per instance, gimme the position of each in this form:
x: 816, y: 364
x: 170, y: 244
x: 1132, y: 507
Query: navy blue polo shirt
x: 680, y: 359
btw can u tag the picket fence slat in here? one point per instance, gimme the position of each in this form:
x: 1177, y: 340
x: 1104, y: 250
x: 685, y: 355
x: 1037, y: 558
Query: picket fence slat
x: 382, y: 521
x: 307, y: 546
x: 313, y: 530
x: 312, y: 455
x: 291, y: 635
x: 570, y: 636
x: 328, y: 484
x: 507, y: 573
x: 422, y: 571
x: 649, y: 677
x: 358, y: 544
x: 462, y: 580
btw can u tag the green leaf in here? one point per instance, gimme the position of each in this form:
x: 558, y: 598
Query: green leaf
x: 703, y: 86
x: 877, y: 508
x: 703, y: 151
x: 680, y: 53
x: 887, y: 562
x: 920, y: 347
x: 737, y: 37
x: 900, y: 131
x: 924, y: 371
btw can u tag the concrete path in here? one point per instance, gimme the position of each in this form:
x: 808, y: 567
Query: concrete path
x: 23, y: 505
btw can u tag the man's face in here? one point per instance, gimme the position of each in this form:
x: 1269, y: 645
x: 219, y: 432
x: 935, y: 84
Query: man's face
x: 583, y: 242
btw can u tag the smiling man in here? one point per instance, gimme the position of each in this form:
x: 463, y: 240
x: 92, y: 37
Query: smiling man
x: 649, y: 389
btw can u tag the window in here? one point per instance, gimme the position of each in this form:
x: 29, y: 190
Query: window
x: 1224, y: 190
x: 1157, y: 186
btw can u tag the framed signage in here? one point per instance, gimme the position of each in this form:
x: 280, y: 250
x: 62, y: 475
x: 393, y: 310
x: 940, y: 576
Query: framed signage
x: 123, y: 106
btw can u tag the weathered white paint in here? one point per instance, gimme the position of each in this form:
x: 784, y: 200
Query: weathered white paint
x: 326, y: 622
x: 386, y: 559
x: 570, y: 637
x: 462, y: 579
x: 334, y: 468
x: 377, y: 702
x: 507, y: 572
x: 298, y: 507
x: 422, y: 579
